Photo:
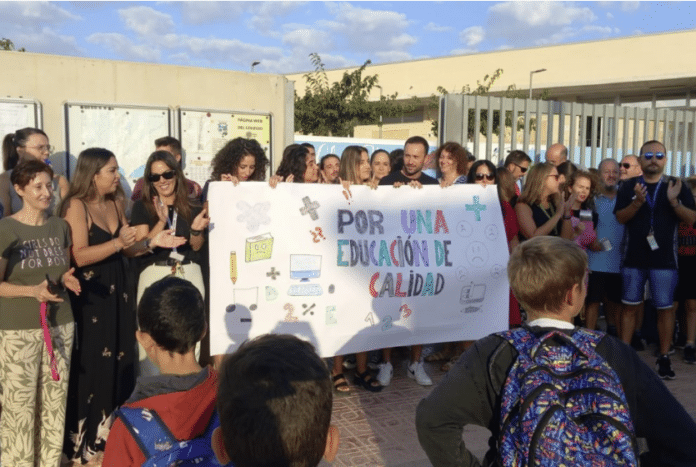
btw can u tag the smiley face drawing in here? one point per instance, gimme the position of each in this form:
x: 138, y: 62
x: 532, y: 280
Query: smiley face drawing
x: 477, y: 254
x: 464, y: 229
x: 491, y: 232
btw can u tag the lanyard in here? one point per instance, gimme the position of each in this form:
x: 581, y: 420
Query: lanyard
x: 652, y: 200
x: 171, y: 224
x: 49, y: 343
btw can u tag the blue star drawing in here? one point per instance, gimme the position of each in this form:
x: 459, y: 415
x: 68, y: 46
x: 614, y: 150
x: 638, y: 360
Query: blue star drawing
x: 254, y: 216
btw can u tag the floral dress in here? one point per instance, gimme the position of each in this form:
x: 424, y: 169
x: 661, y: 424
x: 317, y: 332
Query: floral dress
x: 103, y: 374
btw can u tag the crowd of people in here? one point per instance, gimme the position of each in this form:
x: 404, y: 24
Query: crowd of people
x: 72, y: 257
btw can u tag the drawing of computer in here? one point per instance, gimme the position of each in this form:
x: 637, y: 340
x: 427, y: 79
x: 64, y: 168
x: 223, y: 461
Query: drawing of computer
x: 304, y: 268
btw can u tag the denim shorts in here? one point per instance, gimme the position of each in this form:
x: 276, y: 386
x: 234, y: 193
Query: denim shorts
x: 663, y: 282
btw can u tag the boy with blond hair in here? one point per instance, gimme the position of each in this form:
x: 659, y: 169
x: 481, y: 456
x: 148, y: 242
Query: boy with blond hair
x: 546, y: 362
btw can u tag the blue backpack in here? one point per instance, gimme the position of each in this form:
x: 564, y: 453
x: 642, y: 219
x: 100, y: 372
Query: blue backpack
x: 563, y: 404
x: 160, y: 447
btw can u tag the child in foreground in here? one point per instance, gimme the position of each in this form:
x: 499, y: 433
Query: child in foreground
x: 171, y: 318
x: 274, y: 403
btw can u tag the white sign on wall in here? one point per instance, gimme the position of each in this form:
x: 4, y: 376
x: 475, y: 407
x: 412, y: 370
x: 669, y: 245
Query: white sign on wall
x: 356, y: 270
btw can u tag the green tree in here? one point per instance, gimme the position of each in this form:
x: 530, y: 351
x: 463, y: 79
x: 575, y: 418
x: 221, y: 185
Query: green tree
x: 334, y: 109
x: 6, y: 44
x: 482, y: 89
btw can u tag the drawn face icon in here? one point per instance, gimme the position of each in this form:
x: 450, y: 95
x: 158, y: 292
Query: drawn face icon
x: 461, y: 273
x: 477, y: 254
x: 497, y: 271
x: 464, y: 229
x: 491, y: 232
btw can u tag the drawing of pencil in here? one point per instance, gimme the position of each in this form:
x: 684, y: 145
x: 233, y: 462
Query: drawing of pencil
x: 233, y: 267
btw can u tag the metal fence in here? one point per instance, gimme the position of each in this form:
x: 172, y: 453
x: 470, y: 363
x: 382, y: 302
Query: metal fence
x: 591, y: 132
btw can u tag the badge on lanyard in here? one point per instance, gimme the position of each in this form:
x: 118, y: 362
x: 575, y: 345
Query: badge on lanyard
x: 651, y: 240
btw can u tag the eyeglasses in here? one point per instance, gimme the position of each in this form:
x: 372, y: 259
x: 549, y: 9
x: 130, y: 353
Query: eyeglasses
x: 658, y: 155
x: 522, y: 169
x: 43, y: 148
x: 489, y: 177
x: 168, y: 175
x: 626, y: 165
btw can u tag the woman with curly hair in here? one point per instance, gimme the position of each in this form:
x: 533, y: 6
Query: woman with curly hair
x: 452, y: 162
x: 298, y: 165
x: 584, y: 218
x: 240, y: 160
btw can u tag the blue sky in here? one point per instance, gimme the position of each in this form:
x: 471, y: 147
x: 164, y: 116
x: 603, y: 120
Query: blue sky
x: 281, y: 35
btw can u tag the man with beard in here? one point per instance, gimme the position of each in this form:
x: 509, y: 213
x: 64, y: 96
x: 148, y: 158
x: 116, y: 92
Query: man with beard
x: 415, y: 150
x: 651, y: 207
x: 605, y: 266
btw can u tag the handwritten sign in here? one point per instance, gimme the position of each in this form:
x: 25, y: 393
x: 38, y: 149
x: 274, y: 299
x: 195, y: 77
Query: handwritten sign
x: 356, y: 270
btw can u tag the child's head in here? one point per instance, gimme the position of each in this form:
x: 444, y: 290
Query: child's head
x: 274, y: 401
x: 542, y: 270
x: 172, y: 312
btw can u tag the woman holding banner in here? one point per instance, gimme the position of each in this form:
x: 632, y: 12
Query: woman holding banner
x: 35, y: 320
x: 452, y: 161
x: 355, y: 170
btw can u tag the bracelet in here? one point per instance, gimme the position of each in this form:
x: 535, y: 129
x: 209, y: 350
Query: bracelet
x: 147, y: 245
x: 566, y: 217
x: 195, y: 233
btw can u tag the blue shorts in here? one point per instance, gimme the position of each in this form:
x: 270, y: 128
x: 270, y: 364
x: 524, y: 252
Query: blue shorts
x: 663, y: 282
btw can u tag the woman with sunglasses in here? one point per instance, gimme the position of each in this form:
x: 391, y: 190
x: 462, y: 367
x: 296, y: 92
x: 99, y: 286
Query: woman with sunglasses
x: 24, y: 144
x: 165, y: 205
x: 482, y: 173
x: 452, y: 161
x: 102, y: 369
x: 541, y: 209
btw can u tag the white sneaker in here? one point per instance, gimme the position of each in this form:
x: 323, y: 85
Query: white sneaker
x: 417, y: 372
x: 386, y: 371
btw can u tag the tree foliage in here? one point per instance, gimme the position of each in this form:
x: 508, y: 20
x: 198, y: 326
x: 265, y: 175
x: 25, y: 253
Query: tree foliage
x: 482, y: 89
x: 6, y: 44
x: 334, y: 109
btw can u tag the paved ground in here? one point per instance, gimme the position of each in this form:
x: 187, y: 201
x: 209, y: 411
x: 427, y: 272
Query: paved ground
x: 379, y: 429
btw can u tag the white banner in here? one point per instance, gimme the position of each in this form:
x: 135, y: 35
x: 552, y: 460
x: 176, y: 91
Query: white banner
x: 356, y: 270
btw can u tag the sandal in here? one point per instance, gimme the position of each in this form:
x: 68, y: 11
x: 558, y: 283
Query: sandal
x: 340, y: 384
x: 367, y: 381
x: 437, y: 356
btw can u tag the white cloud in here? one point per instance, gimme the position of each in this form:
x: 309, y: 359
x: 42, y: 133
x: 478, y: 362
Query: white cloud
x: 307, y: 39
x: 146, y: 21
x: 371, y: 31
x: 47, y: 41
x: 432, y: 27
x: 521, y: 24
x: 266, y: 12
x: 609, y: 15
x: 34, y: 14
x: 536, y: 14
x: 210, y: 12
x: 124, y: 47
x: 472, y: 36
x: 629, y: 6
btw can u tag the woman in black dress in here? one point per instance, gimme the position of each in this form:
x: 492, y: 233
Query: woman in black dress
x: 102, y: 371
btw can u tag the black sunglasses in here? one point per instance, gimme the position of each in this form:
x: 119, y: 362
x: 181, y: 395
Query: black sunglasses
x: 489, y: 177
x: 522, y: 169
x: 625, y: 165
x: 168, y: 175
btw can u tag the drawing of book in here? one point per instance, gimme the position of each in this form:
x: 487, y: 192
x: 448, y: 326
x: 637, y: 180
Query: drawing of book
x: 259, y: 247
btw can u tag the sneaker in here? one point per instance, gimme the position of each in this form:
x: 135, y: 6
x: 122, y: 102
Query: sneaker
x: 374, y: 361
x: 349, y: 362
x: 664, y: 367
x: 690, y: 354
x: 386, y: 371
x: 417, y: 372
x: 637, y: 342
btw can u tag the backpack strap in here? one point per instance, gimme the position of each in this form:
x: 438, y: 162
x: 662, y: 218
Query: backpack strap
x: 147, y: 429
